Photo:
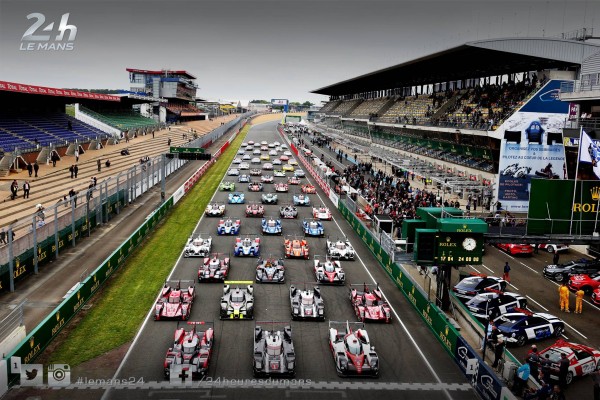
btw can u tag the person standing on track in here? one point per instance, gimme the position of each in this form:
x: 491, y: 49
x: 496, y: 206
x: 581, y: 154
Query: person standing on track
x: 563, y: 292
x: 506, y: 274
x: 579, y: 301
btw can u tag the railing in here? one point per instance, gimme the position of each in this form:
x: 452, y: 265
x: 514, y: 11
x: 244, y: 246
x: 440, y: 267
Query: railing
x: 579, y: 86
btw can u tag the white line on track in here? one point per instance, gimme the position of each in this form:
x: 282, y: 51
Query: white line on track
x: 541, y: 306
x: 476, y: 270
x: 516, y: 288
x: 139, y: 332
x: 483, y: 265
x: 522, y: 263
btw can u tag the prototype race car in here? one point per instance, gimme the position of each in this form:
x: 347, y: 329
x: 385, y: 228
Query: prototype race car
x: 522, y: 325
x: 293, y: 180
x: 299, y: 173
x: 191, y: 351
x: 340, y: 249
x: 265, y: 157
x: 228, y: 227
x: 313, y: 228
x: 198, y: 246
x: 237, y: 303
x: 227, y: 186
x: 214, y: 268
x: 245, y: 165
x: 237, y: 198
x: 175, y: 302
x: 288, y: 211
x: 288, y: 167
x: 583, y: 360
x: 352, y: 351
x: 277, y: 161
x: 246, y: 247
x: 293, y: 162
x: 329, y: 271
x: 255, y: 187
x: 267, y: 166
x: 308, y: 188
x: 307, y: 304
x: 266, y: 179
x: 271, y: 226
x: 215, y: 210
x: 475, y: 284
x: 587, y: 283
x: 268, y: 198
x: 281, y: 187
x: 255, y: 172
x: 278, y: 173
x: 274, y: 353
x: 233, y: 172
x: 493, y: 303
x: 273, y: 152
x: 284, y: 157
x: 255, y: 210
x: 238, y: 160
x: 255, y: 160
x: 244, y: 178
x: 301, y: 200
x: 270, y: 270
x: 296, y: 248
x: 322, y: 213
x: 369, y: 304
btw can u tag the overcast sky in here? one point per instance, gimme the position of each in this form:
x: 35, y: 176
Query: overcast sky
x: 243, y: 50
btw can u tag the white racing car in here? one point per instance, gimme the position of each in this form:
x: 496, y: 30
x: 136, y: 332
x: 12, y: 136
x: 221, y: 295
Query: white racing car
x: 322, y: 213
x: 340, y: 249
x: 215, y: 210
x: 198, y: 246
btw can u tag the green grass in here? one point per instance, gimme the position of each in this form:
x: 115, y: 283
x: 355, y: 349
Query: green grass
x: 118, y: 312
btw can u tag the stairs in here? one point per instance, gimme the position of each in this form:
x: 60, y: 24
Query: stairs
x: 347, y: 113
x: 386, y: 106
x: 6, y: 163
x: 446, y: 106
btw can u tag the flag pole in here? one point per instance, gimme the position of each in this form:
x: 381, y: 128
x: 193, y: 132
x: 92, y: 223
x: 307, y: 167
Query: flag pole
x: 575, y: 180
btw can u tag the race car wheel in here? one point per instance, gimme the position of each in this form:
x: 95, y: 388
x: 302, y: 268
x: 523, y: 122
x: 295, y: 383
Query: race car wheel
x: 521, y: 339
x: 559, y: 331
x: 550, y: 249
x: 587, y: 290
x: 569, y: 378
x: 559, y: 277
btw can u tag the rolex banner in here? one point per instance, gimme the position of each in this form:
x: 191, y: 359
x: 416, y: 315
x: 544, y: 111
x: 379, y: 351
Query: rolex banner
x: 550, y: 213
x: 590, y: 152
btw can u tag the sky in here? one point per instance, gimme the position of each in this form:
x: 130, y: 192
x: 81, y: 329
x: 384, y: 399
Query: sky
x: 243, y: 50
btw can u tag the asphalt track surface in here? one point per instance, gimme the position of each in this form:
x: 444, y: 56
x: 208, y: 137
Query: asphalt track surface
x: 412, y: 362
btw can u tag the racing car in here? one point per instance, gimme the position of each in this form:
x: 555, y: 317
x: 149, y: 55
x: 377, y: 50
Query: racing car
x: 293, y: 180
x: 246, y: 247
x: 587, y: 283
x: 583, y: 360
x: 281, y: 187
x: 474, y: 284
x: 244, y: 178
x: 255, y: 187
x: 245, y: 165
x: 237, y: 303
x: 268, y: 198
x: 228, y: 227
x: 174, y: 302
x: 284, y: 157
x: 265, y: 157
x: 271, y: 226
x: 277, y: 161
x: 267, y: 166
x: 293, y: 162
x: 233, y: 172
x: 278, y: 173
x: 322, y: 213
x: 255, y: 210
x: 266, y: 179
x: 198, y: 246
x: 308, y: 189
x: 301, y: 200
x: 236, y: 198
x: 340, y: 249
x: 191, y: 350
x: 369, y: 304
x: 352, y: 351
x: 295, y: 248
x: 270, y: 270
x: 274, y: 353
x: 313, y: 227
x: 522, y: 325
x: 307, y: 304
x: 491, y: 303
x: 255, y: 172
x: 516, y: 249
x: 288, y: 167
x: 288, y: 211
x: 215, y: 210
x: 329, y: 271
x: 299, y: 173
x: 214, y: 268
x: 227, y: 186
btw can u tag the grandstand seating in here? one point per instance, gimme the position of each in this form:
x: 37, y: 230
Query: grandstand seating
x: 330, y: 106
x: 123, y: 120
x: 368, y: 108
x: 183, y: 108
x: 345, y: 106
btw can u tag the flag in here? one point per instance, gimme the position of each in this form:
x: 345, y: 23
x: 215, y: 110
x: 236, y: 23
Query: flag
x: 589, y: 152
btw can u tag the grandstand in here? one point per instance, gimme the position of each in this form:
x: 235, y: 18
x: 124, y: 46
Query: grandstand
x: 123, y: 120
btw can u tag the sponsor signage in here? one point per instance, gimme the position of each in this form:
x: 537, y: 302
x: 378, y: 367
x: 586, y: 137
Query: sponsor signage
x: 31, y: 89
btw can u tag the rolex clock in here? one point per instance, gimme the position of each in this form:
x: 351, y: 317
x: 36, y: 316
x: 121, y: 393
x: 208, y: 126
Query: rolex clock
x: 469, y: 244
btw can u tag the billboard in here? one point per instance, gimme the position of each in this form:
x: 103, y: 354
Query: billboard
x: 526, y: 151
x: 279, y: 102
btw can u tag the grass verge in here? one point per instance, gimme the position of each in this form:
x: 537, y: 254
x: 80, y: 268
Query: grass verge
x: 119, y: 310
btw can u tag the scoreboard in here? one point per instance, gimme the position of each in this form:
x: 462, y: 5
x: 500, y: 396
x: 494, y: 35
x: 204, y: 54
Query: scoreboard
x: 189, y: 153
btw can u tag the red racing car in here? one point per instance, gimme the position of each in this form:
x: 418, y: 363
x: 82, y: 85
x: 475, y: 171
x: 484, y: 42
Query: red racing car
x: 174, y: 302
x: 516, y: 249
x: 369, y: 304
x: 308, y: 189
x: 296, y: 248
x: 191, y: 351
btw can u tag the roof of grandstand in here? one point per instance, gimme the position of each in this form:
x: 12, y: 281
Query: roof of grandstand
x: 471, y: 60
x: 57, y: 92
x: 161, y: 72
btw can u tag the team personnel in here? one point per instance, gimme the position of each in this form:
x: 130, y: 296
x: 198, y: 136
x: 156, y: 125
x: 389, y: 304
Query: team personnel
x: 579, y: 301
x: 506, y: 275
x: 563, y: 292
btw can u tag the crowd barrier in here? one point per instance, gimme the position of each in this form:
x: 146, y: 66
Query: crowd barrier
x: 43, y: 334
x: 483, y: 380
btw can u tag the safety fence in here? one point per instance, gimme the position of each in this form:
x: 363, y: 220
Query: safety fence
x: 481, y: 377
x: 43, y: 334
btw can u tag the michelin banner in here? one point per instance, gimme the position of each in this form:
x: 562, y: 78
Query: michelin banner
x: 534, y: 156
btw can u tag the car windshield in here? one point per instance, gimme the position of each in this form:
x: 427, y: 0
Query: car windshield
x: 307, y: 300
x: 554, y: 355
x: 189, y: 347
x: 469, y: 284
x: 370, y: 300
x: 237, y: 297
x: 271, y: 223
x: 313, y: 225
x: 247, y: 242
x: 353, y: 345
x: 329, y: 267
x: 340, y: 246
x: 198, y: 242
x: 296, y: 245
x: 228, y: 223
x: 174, y: 298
